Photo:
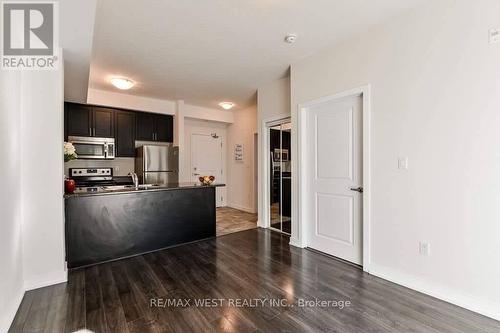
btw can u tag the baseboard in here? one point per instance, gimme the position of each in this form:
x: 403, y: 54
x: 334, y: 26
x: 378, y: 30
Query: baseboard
x: 11, y: 313
x: 46, y: 280
x: 296, y: 242
x: 243, y: 208
x: 485, y: 308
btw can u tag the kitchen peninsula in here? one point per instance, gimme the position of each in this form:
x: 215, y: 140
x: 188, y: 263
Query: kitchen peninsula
x: 118, y: 223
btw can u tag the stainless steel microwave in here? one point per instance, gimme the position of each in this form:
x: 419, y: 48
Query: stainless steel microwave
x: 93, y: 148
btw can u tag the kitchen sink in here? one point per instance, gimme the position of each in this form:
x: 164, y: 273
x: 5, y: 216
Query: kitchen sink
x: 146, y: 186
x: 117, y: 187
x: 129, y: 187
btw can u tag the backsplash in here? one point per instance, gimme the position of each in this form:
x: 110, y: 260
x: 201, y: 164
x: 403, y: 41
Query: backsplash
x: 121, y: 165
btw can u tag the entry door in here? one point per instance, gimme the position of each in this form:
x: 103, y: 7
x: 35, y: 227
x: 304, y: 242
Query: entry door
x: 206, y: 160
x: 334, y: 135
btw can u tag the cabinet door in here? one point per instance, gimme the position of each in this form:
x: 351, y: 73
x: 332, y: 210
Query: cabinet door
x: 145, y: 128
x: 125, y: 134
x: 164, y: 128
x: 78, y: 120
x: 103, y: 122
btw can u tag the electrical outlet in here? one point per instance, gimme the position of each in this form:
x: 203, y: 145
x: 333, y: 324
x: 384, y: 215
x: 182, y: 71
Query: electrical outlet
x: 424, y: 249
x: 494, y: 35
x: 403, y: 163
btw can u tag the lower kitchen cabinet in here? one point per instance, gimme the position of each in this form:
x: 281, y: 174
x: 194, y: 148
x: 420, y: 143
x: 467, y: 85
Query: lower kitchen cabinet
x: 103, y: 227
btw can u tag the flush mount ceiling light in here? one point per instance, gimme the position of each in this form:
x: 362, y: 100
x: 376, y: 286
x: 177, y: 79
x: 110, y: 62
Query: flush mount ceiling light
x: 122, y: 83
x: 290, y: 38
x: 226, y: 105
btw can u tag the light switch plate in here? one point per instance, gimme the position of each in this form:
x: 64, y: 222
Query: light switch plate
x: 494, y: 35
x: 424, y: 249
x: 403, y: 163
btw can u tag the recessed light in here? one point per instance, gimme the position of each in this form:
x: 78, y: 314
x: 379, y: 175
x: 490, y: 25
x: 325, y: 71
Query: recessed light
x: 226, y: 105
x: 290, y: 38
x: 122, y: 83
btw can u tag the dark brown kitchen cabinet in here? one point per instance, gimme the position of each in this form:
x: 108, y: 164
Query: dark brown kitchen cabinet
x: 154, y: 127
x: 86, y: 120
x: 125, y: 133
x: 145, y: 129
x: 164, y: 128
x: 78, y: 120
x: 103, y: 122
x: 123, y: 125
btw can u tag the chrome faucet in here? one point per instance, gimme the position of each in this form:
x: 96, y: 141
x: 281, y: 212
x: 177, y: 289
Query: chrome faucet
x: 135, y: 179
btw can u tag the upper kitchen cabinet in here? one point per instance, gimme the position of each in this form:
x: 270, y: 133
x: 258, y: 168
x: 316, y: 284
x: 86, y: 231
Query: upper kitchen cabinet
x: 154, y: 127
x: 145, y: 129
x: 165, y: 128
x: 125, y: 134
x: 103, y: 122
x: 78, y: 120
x: 86, y: 120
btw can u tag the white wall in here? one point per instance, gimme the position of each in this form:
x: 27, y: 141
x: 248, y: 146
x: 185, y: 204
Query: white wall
x: 31, y: 196
x: 42, y: 178
x: 200, y: 112
x: 436, y: 100
x: 11, y: 274
x: 130, y: 102
x: 273, y: 102
x: 240, y: 174
x: 76, y: 32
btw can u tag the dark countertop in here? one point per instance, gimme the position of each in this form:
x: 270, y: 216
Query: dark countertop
x: 166, y: 187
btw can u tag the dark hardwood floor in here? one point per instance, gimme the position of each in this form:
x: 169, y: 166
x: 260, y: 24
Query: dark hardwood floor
x: 116, y: 296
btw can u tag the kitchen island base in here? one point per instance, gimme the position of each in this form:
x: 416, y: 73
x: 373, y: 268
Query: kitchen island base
x: 112, y: 226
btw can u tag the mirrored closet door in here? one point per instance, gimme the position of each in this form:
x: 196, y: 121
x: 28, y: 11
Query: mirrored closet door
x: 280, y: 176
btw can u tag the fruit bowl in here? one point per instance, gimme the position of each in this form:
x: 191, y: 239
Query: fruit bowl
x: 206, y: 180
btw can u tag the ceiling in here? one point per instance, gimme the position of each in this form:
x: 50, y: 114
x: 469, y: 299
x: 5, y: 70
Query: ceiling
x: 205, y: 52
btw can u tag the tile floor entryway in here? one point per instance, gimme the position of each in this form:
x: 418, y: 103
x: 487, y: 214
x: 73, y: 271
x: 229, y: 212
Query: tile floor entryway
x: 231, y: 220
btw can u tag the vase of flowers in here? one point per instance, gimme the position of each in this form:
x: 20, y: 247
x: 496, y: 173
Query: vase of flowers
x: 69, y: 152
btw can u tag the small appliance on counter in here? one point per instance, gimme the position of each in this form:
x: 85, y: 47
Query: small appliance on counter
x: 157, y: 164
x: 96, y: 179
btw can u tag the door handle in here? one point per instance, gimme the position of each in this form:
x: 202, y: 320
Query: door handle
x: 196, y: 174
x: 357, y: 189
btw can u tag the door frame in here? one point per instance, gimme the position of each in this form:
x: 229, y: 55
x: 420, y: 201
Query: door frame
x: 264, y: 171
x: 304, y: 208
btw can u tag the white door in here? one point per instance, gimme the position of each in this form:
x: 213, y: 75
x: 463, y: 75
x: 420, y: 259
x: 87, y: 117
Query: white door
x: 206, y: 160
x: 334, y: 168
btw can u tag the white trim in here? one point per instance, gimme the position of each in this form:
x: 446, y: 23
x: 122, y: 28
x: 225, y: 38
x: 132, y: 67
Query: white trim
x: 295, y: 242
x: 300, y: 239
x: 239, y: 207
x: 47, y: 280
x: 264, y: 219
x: 441, y: 292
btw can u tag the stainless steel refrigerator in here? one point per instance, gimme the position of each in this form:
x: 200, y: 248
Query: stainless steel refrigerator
x: 157, y: 164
